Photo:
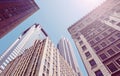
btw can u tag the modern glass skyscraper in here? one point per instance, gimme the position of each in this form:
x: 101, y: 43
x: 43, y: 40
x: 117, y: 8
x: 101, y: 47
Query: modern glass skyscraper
x: 24, y: 41
x: 13, y: 12
x: 66, y: 51
x: 97, y: 37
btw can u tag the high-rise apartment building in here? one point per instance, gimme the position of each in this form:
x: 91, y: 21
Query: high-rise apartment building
x: 24, y: 41
x: 66, y: 51
x: 97, y: 37
x: 13, y: 12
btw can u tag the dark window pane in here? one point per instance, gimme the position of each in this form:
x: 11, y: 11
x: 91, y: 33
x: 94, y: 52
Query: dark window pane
x: 92, y: 62
x: 118, y: 24
x: 81, y: 42
x: 98, y: 73
x: 111, y: 39
x: 92, y: 42
x: 97, y: 48
x: 112, y: 21
x: 118, y: 61
x: 112, y: 67
x: 47, y: 71
x: 104, y: 34
x: 43, y: 74
x: 44, y: 68
x: 103, y: 44
x: 78, y: 38
x: 99, y: 30
x: 111, y: 52
x: 87, y: 54
x: 118, y: 35
x: 97, y: 39
x: 84, y: 48
x: 103, y: 56
x: 118, y: 45
x: 111, y: 30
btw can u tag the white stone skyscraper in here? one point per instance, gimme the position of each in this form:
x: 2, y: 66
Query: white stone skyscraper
x: 67, y: 52
x: 34, y: 54
x: 24, y: 41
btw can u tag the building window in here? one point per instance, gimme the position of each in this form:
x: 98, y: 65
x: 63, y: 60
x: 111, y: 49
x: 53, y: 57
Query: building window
x: 118, y: 24
x: 111, y: 30
x: 45, y: 61
x: 44, y: 69
x: 92, y: 42
x: 97, y: 39
x: 103, y: 44
x: 104, y: 34
x: 98, y: 73
x: 118, y: 61
x: 103, y: 56
x: 84, y: 48
x: 92, y: 63
x: 118, y: 34
x: 113, y: 21
x: 97, y: 48
x: 43, y: 74
x: 112, y: 67
x: 48, y: 58
x: 111, y: 52
x: 111, y: 39
x: 48, y: 64
x: 118, y: 45
x: 47, y: 71
x: 87, y: 54
x: 81, y: 42
x: 99, y: 30
x: 78, y: 38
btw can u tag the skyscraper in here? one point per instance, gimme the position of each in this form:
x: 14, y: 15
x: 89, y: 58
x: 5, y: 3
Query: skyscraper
x: 24, y: 41
x: 39, y: 57
x: 97, y: 37
x: 66, y: 51
x: 13, y: 12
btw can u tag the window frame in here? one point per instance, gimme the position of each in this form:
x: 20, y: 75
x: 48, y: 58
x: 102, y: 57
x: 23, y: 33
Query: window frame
x: 101, y: 57
x: 112, y: 67
x: 117, y: 62
x: 91, y: 64
x: 100, y: 72
x: 111, y: 53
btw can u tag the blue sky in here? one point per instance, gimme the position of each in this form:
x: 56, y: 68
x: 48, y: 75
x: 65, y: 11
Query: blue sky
x: 55, y: 16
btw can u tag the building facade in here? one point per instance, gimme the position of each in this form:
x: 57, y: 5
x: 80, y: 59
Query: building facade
x: 67, y: 52
x: 34, y: 54
x: 24, y: 41
x: 97, y: 37
x: 41, y: 59
x: 13, y: 12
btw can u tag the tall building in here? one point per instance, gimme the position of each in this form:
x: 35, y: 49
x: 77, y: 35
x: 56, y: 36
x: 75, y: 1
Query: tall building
x: 97, y: 37
x: 13, y: 12
x: 66, y: 51
x: 41, y: 58
x: 24, y: 41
